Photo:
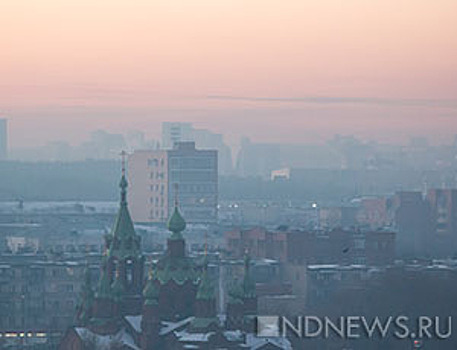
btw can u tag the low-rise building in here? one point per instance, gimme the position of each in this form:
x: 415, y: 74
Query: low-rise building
x: 38, y: 297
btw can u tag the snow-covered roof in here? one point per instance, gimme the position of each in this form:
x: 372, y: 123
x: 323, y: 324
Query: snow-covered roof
x: 253, y: 342
x: 323, y: 266
x: 135, y: 322
x: 172, y: 326
x: 184, y: 336
x: 106, y: 342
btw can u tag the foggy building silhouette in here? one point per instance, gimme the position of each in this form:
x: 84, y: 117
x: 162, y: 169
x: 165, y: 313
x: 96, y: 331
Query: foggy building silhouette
x: 174, y: 132
x: 257, y: 159
x: 3, y: 139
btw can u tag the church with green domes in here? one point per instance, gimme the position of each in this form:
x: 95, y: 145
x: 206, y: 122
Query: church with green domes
x: 170, y: 307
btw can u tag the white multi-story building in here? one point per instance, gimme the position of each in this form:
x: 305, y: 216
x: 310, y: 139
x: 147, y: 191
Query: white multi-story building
x: 155, y: 175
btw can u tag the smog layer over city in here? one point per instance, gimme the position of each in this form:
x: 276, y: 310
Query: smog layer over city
x: 228, y: 174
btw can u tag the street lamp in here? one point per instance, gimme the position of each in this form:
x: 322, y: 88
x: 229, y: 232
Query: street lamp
x: 316, y: 209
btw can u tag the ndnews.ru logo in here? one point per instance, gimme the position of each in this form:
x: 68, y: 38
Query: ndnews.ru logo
x: 355, y: 327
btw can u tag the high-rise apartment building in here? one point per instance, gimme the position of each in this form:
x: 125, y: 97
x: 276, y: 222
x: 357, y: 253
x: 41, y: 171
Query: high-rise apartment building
x: 148, y: 179
x: 3, y: 139
x: 158, y: 177
x: 173, y: 132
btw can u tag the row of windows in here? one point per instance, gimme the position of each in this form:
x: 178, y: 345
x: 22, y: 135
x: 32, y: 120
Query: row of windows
x: 196, y: 201
x: 14, y: 289
x: 200, y: 188
x: 74, y: 248
x: 155, y: 162
x: 193, y: 163
x: 156, y: 201
x: 159, y: 175
x: 64, y: 288
x: 380, y: 245
x: 28, y: 306
x: 156, y: 187
x: 35, y: 274
x: 337, y: 276
x: 35, y: 288
x: 193, y: 176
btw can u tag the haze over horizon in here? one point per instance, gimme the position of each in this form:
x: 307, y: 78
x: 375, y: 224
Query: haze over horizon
x: 295, y: 71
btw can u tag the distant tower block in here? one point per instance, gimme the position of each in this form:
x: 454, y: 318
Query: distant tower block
x: 3, y: 138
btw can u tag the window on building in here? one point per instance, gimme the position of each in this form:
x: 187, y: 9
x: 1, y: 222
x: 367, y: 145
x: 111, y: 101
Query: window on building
x: 359, y: 243
x: 153, y: 162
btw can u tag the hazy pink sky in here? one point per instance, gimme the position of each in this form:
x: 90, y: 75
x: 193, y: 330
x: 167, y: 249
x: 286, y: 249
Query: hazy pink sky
x: 380, y: 67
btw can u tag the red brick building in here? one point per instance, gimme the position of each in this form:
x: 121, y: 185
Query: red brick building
x: 337, y: 246
x: 260, y: 243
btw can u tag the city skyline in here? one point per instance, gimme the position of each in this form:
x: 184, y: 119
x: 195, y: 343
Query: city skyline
x: 187, y: 174
x: 288, y: 72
